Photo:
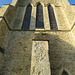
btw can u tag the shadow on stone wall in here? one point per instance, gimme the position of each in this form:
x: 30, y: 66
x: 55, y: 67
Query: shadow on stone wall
x: 61, y: 54
x: 24, y: 2
x: 18, y: 50
x: 19, y: 18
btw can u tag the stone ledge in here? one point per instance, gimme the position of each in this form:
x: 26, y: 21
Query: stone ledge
x: 14, y: 2
x: 3, y: 10
x: 8, y: 11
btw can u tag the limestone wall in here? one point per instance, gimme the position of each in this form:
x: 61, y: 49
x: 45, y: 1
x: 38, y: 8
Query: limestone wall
x: 26, y: 2
x: 18, y: 52
x: 17, y: 44
x: 3, y: 32
x: 73, y: 7
x: 6, y: 16
x: 70, y: 15
x: 64, y: 15
x: 64, y: 10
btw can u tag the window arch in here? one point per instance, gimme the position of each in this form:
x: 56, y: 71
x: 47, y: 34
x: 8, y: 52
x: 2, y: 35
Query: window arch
x: 39, y: 16
x: 27, y: 17
x: 52, y: 19
x: 1, y: 50
x: 64, y: 73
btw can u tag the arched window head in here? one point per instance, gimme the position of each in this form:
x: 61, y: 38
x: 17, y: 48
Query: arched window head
x: 27, y: 17
x: 64, y: 73
x: 39, y: 16
x: 2, y: 50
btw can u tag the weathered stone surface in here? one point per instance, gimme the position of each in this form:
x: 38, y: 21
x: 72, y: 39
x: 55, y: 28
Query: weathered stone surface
x: 7, y: 10
x: 14, y: 2
x: 18, y: 52
x: 70, y: 15
x: 62, y: 23
x: 46, y: 18
x: 73, y: 7
x: 3, y: 32
x: 3, y: 10
x: 40, y: 64
x: 33, y: 18
x: 58, y: 45
x: 18, y: 20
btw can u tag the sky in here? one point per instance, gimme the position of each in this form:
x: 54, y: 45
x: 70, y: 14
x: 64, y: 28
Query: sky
x: 9, y: 1
x: 5, y: 2
x: 71, y: 1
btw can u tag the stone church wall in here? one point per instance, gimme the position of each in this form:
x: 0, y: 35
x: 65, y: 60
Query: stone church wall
x: 16, y: 59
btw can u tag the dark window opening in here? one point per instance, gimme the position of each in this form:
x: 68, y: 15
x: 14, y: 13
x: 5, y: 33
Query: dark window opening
x: 39, y: 16
x: 2, y: 50
x: 52, y: 19
x: 26, y: 21
x: 64, y: 73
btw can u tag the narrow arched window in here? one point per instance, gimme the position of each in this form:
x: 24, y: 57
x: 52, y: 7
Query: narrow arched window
x: 1, y: 50
x: 53, y: 24
x: 27, y: 17
x: 39, y: 16
x: 64, y: 73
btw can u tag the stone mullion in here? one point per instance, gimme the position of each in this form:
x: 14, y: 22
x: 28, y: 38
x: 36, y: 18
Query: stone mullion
x: 46, y: 18
x: 33, y: 18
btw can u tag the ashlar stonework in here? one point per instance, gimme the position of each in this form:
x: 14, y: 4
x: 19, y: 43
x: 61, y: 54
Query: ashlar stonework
x: 47, y: 50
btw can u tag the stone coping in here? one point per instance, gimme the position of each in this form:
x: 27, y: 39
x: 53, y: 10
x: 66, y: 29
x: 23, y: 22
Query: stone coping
x: 7, y: 12
x: 4, y: 8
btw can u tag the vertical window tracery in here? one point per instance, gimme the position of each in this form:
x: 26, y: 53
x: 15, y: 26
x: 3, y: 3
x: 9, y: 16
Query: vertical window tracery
x: 27, y: 17
x: 39, y: 16
x: 52, y: 19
